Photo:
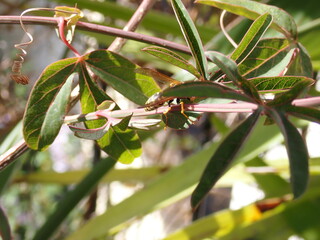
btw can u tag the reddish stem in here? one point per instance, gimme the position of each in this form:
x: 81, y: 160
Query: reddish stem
x: 61, y: 26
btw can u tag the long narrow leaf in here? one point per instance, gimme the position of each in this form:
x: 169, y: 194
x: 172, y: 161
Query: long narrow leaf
x: 173, y: 58
x: 223, y: 157
x: 282, y: 21
x: 252, y: 37
x: 204, y: 89
x: 307, y: 113
x: 230, y: 68
x: 157, y: 194
x: 297, y: 153
x: 287, y: 97
x: 47, y: 104
x: 73, y: 197
x: 5, y: 230
x: 192, y: 36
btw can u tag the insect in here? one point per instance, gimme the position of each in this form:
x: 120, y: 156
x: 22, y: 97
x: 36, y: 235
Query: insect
x: 157, y: 100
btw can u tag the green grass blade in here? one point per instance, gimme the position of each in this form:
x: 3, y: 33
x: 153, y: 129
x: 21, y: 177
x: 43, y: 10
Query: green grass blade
x: 222, y: 158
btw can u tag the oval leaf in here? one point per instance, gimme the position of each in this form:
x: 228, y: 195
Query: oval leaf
x: 222, y: 158
x: 47, y: 104
x: 120, y: 74
x: 121, y: 144
x: 282, y: 21
x: 192, y: 37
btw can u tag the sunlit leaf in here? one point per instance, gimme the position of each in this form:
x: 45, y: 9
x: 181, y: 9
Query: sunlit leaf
x: 217, y: 224
x: 252, y: 37
x: 275, y: 84
x: 192, y: 36
x: 282, y: 21
x: 121, y: 144
x: 301, y: 65
x: 269, y: 58
x: 47, y: 104
x: 222, y: 158
x: 172, y: 58
x: 271, y: 183
x: 120, y: 74
x: 288, y: 96
x: 297, y: 153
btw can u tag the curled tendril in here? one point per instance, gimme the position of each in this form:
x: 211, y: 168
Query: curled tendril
x: 16, y: 74
x: 222, y: 16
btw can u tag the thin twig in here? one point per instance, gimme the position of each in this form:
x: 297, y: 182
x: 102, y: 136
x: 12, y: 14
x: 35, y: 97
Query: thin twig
x: 132, y: 24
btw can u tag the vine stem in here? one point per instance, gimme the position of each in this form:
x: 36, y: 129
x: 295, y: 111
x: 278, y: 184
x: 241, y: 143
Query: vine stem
x: 98, y: 29
x: 221, y: 108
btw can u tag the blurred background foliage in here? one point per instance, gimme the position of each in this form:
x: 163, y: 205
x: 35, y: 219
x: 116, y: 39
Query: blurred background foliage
x: 149, y: 199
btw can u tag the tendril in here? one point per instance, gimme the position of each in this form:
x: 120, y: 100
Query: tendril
x: 16, y: 74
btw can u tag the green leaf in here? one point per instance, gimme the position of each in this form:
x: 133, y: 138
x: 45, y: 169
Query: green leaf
x: 301, y: 65
x: 73, y: 197
x: 120, y: 74
x: 307, y: 113
x: 47, y: 104
x: 173, y: 58
x: 272, y: 184
x: 158, y: 195
x: 290, y: 95
x: 297, y: 153
x: 282, y: 21
x: 275, y: 84
x: 222, y: 158
x: 204, y: 89
x: 121, y: 145
x: 5, y: 230
x: 128, y: 175
x: 230, y: 68
x: 191, y: 36
x: 252, y: 37
x: 285, y: 221
x: 269, y: 58
x: 217, y: 224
